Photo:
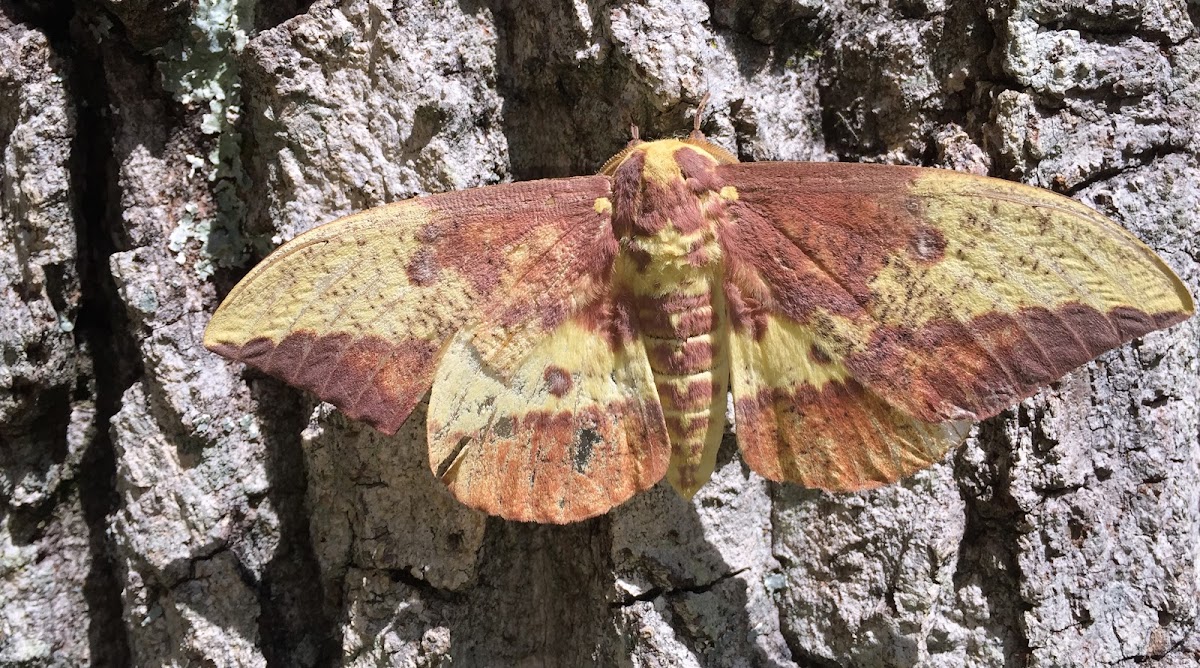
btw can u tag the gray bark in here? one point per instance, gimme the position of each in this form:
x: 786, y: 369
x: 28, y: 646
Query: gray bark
x: 160, y: 506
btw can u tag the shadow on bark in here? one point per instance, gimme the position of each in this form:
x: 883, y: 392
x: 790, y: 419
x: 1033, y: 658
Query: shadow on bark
x: 295, y: 624
x: 564, y: 115
x: 987, y: 555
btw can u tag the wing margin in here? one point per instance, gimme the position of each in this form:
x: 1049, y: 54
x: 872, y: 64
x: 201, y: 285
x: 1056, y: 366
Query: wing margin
x: 950, y: 295
x: 359, y: 310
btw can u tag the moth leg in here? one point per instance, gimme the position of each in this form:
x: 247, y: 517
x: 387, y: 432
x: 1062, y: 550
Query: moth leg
x: 634, y: 139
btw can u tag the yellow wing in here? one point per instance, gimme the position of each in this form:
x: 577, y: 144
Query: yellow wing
x: 802, y: 417
x: 574, y: 431
x: 931, y: 297
x: 359, y: 310
x: 951, y: 295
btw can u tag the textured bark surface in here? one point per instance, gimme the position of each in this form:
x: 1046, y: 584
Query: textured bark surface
x: 159, y: 506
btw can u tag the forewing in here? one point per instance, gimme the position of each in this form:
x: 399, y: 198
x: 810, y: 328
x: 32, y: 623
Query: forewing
x: 574, y: 430
x: 359, y: 310
x: 802, y: 417
x: 947, y: 295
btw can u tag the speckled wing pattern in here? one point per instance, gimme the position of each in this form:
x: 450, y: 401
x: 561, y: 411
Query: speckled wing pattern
x: 361, y: 311
x: 877, y: 310
x: 575, y: 430
x: 802, y: 417
x: 580, y: 335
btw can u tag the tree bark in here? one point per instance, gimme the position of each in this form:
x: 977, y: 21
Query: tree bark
x: 161, y: 506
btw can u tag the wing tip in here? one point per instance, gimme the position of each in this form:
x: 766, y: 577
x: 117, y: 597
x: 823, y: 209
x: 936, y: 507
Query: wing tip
x: 1187, y: 304
x: 212, y: 339
x: 356, y: 384
x: 388, y: 425
x: 246, y: 352
x: 1186, y: 301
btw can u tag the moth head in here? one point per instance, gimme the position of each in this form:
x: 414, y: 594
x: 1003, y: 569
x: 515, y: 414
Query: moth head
x: 659, y: 156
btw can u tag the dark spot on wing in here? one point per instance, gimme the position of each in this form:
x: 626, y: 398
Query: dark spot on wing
x: 585, y: 443
x: 817, y: 355
x: 558, y: 380
x: 423, y: 270
x: 927, y: 244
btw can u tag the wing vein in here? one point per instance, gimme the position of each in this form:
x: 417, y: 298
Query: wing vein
x: 325, y: 285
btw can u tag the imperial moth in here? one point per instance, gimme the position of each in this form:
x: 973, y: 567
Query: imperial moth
x: 581, y: 335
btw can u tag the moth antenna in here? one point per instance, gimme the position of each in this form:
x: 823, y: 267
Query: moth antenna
x: 696, y: 133
x: 634, y: 138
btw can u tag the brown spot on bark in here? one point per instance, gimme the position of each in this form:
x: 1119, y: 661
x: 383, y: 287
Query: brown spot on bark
x: 558, y: 381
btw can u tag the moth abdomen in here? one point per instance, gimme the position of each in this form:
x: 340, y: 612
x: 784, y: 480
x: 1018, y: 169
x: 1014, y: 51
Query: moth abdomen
x: 683, y: 340
x: 669, y: 204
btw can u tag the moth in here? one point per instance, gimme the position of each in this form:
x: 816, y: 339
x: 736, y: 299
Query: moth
x: 581, y: 335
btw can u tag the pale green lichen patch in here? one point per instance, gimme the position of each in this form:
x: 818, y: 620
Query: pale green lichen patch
x: 189, y: 229
x: 201, y: 72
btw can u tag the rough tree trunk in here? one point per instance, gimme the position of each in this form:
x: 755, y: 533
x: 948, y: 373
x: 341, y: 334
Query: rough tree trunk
x: 160, y: 506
